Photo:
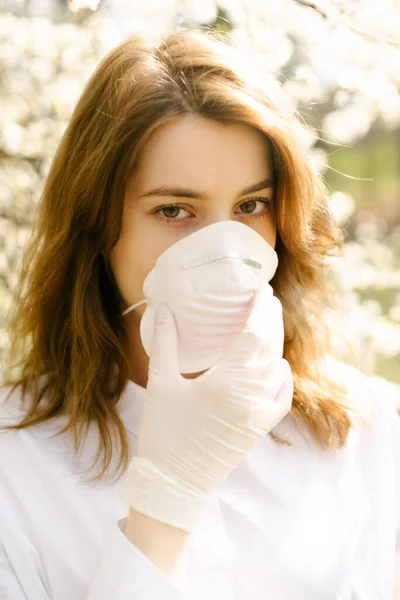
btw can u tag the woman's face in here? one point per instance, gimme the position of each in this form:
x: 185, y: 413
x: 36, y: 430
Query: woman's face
x: 192, y: 172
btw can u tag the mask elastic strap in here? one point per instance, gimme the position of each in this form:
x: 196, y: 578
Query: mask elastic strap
x: 133, y: 307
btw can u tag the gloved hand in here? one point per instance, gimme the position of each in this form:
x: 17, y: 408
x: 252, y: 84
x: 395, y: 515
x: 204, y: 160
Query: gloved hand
x: 194, y: 432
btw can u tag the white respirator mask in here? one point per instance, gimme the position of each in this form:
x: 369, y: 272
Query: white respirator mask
x: 207, y: 281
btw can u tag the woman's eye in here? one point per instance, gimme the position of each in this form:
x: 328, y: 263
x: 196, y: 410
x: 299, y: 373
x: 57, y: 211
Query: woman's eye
x: 249, y: 206
x: 255, y: 206
x: 171, y: 212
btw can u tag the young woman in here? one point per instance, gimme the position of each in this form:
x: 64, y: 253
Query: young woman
x: 204, y: 443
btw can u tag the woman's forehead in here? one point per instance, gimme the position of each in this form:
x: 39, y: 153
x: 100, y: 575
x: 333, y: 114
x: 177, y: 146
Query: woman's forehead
x: 195, y: 151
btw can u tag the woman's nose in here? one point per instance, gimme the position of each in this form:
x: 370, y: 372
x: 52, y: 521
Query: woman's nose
x: 217, y: 216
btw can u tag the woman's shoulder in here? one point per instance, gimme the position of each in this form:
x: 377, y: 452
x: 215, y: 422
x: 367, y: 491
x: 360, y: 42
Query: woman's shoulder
x: 47, y: 444
x: 375, y: 404
x: 37, y: 452
x: 12, y: 406
x: 15, y: 447
x: 16, y: 443
x: 369, y: 395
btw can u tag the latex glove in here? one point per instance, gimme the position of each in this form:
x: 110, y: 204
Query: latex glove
x: 194, y: 432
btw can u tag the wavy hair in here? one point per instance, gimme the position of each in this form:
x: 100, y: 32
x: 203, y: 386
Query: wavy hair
x: 66, y: 322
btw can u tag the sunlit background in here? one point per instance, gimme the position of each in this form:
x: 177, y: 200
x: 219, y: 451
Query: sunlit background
x: 340, y: 63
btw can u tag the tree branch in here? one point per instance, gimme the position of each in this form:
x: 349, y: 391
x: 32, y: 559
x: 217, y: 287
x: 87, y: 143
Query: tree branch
x: 347, y: 20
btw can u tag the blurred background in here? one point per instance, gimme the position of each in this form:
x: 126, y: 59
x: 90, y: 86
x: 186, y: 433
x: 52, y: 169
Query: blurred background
x: 338, y: 60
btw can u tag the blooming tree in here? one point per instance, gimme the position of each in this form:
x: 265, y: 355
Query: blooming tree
x: 338, y: 60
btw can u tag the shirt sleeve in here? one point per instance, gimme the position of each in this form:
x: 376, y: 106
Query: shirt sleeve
x: 124, y: 572
x: 10, y: 586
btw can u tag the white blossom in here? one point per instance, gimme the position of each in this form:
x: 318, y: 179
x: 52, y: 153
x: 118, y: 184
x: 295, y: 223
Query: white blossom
x: 329, y: 54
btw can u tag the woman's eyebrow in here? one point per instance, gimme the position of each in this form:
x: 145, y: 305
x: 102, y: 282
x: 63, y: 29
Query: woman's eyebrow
x: 186, y: 193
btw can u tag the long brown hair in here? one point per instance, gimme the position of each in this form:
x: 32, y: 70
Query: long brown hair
x: 66, y: 323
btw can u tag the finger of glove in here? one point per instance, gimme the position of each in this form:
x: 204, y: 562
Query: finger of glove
x: 255, y: 334
x: 275, y: 399
x: 282, y: 402
x: 271, y: 332
x: 271, y: 336
x: 164, y: 348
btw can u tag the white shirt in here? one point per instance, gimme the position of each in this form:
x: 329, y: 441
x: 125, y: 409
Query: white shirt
x: 289, y: 523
